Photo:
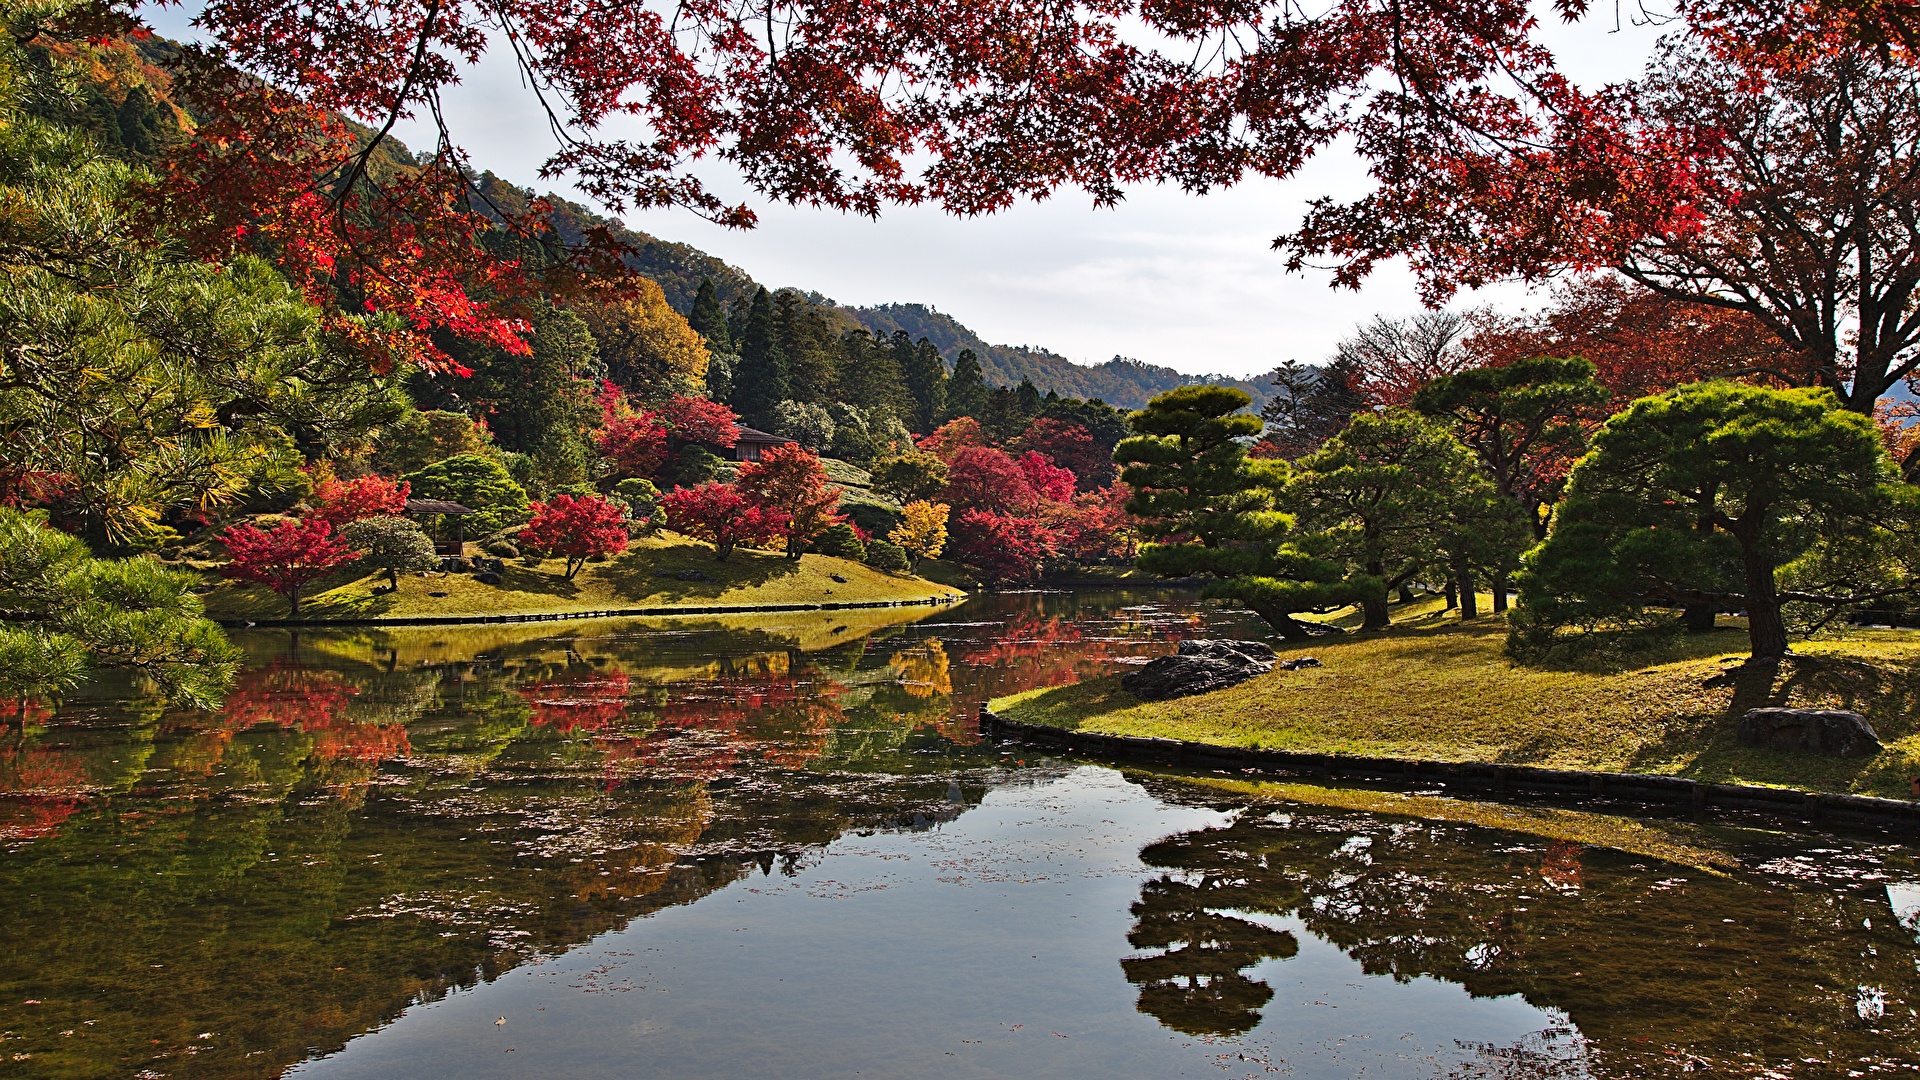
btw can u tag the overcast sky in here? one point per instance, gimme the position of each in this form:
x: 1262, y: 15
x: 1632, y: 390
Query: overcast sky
x: 1185, y: 281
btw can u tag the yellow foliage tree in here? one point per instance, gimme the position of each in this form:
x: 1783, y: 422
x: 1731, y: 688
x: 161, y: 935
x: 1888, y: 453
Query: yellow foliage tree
x: 923, y: 535
x: 645, y: 343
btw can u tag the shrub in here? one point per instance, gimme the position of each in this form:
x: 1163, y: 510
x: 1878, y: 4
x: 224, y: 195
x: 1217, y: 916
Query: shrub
x: 392, y: 544
x: 884, y: 555
x: 842, y: 542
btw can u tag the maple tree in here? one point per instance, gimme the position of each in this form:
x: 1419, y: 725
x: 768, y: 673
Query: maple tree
x: 922, y: 532
x: 285, y: 558
x: 1002, y: 547
x: 576, y: 528
x: 1070, y: 446
x: 723, y: 516
x: 791, y: 485
x: 338, y: 502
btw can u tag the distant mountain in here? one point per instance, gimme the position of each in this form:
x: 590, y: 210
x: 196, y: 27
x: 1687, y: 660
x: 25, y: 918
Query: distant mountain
x: 1120, y: 382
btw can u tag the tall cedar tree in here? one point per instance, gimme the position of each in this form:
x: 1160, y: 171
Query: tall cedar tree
x: 809, y: 342
x: 870, y: 374
x: 1209, y: 510
x: 709, y: 320
x: 760, y: 381
x: 1309, y: 406
x: 1701, y: 496
x: 926, y: 375
x: 966, y: 389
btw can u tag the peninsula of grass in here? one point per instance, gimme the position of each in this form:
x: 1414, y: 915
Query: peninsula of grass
x: 657, y: 572
x: 1440, y: 690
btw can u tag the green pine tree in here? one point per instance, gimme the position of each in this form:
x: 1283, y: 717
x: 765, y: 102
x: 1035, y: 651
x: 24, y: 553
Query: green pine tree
x: 927, y: 384
x: 760, y: 382
x: 966, y: 389
x: 709, y: 320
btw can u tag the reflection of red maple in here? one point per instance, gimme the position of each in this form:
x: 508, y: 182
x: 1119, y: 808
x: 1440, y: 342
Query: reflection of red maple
x: 591, y: 702
x: 765, y: 713
x: 314, y: 702
x: 43, y: 787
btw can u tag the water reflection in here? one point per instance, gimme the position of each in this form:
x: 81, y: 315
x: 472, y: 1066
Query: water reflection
x: 379, y: 821
x: 1795, y: 959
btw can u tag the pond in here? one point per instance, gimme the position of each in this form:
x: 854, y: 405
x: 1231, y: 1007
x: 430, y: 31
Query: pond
x: 770, y: 846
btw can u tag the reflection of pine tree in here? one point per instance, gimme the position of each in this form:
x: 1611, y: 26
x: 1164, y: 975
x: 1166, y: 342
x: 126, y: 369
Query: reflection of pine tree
x: 1195, y: 984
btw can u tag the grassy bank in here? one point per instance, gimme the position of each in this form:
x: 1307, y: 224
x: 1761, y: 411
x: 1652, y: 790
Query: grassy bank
x: 1447, y: 692
x: 643, y: 577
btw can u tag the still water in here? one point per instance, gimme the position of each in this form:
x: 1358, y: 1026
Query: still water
x: 770, y: 846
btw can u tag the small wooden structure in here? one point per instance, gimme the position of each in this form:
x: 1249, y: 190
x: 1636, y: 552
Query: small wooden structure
x: 753, y: 442
x: 457, y: 546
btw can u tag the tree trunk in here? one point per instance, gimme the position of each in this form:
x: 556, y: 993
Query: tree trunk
x: 1453, y: 593
x: 1765, y: 629
x: 393, y: 579
x: 1469, y: 600
x: 1698, y: 618
x: 722, y: 549
x: 293, y: 603
x: 1283, y: 623
x: 1406, y: 593
x: 1373, y: 610
x: 1499, y: 593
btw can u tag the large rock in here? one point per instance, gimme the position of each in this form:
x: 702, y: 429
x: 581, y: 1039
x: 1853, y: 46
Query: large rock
x: 1833, y: 732
x: 1200, y: 666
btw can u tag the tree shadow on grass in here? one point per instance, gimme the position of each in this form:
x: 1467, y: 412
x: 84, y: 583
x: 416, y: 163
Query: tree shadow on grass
x: 649, y: 575
x: 1887, y: 694
x: 527, y: 579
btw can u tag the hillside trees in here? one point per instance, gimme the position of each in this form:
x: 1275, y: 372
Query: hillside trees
x: 644, y: 345
x: 1713, y: 494
x: 760, y: 379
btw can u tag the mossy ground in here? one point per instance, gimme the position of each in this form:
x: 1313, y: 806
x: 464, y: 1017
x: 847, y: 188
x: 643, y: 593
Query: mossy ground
x: 1436, y: 689
x: 639, y: 578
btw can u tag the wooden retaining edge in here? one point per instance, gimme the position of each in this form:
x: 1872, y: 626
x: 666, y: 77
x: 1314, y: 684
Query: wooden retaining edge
x: 1785, y: 804
x: 614, y: 613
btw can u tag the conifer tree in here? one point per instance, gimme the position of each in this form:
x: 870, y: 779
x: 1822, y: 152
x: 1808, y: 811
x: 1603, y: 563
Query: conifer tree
x: 967, y: 389
x: 760, y: 382
x: 927, y: 383
x: 870, y: 375
x: 809, y: 346
x: 709, y: 320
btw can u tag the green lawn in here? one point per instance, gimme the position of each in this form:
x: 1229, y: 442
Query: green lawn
x: 630, y: 580
x: 1444, y: 691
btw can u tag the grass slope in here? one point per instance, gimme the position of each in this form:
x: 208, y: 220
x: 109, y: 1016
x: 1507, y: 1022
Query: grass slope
x: 630, y: 580
x: 1447, y: 692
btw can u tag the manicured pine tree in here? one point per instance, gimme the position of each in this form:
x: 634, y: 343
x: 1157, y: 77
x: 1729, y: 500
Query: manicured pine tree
x: 709, y: 320
x: 967, y: 389
x: 927, y: 383
x: 760, y: 382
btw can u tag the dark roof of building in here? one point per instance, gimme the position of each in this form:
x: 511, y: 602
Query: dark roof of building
x: 748, y: 434
x: 436, y: 506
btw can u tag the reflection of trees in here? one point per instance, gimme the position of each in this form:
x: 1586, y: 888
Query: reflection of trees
x: 1195, y: 984
x: 1647, y: 959
x: 313, y: 701
x: 42, y: 786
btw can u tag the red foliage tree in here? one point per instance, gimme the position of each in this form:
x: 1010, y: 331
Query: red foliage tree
x: 789, y: 482
x: 1070, y: 446
x: 697, y: 420
x: 722, y: 516
x: 1047, y: 480
x: 1098, y: 527
x: 286, y: 558
x: 986, y: 478
x: 577, y: 528
x: 953, y: 436
x: 634, y: 445
x: 338, y: 502
x: 1002, y: 547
